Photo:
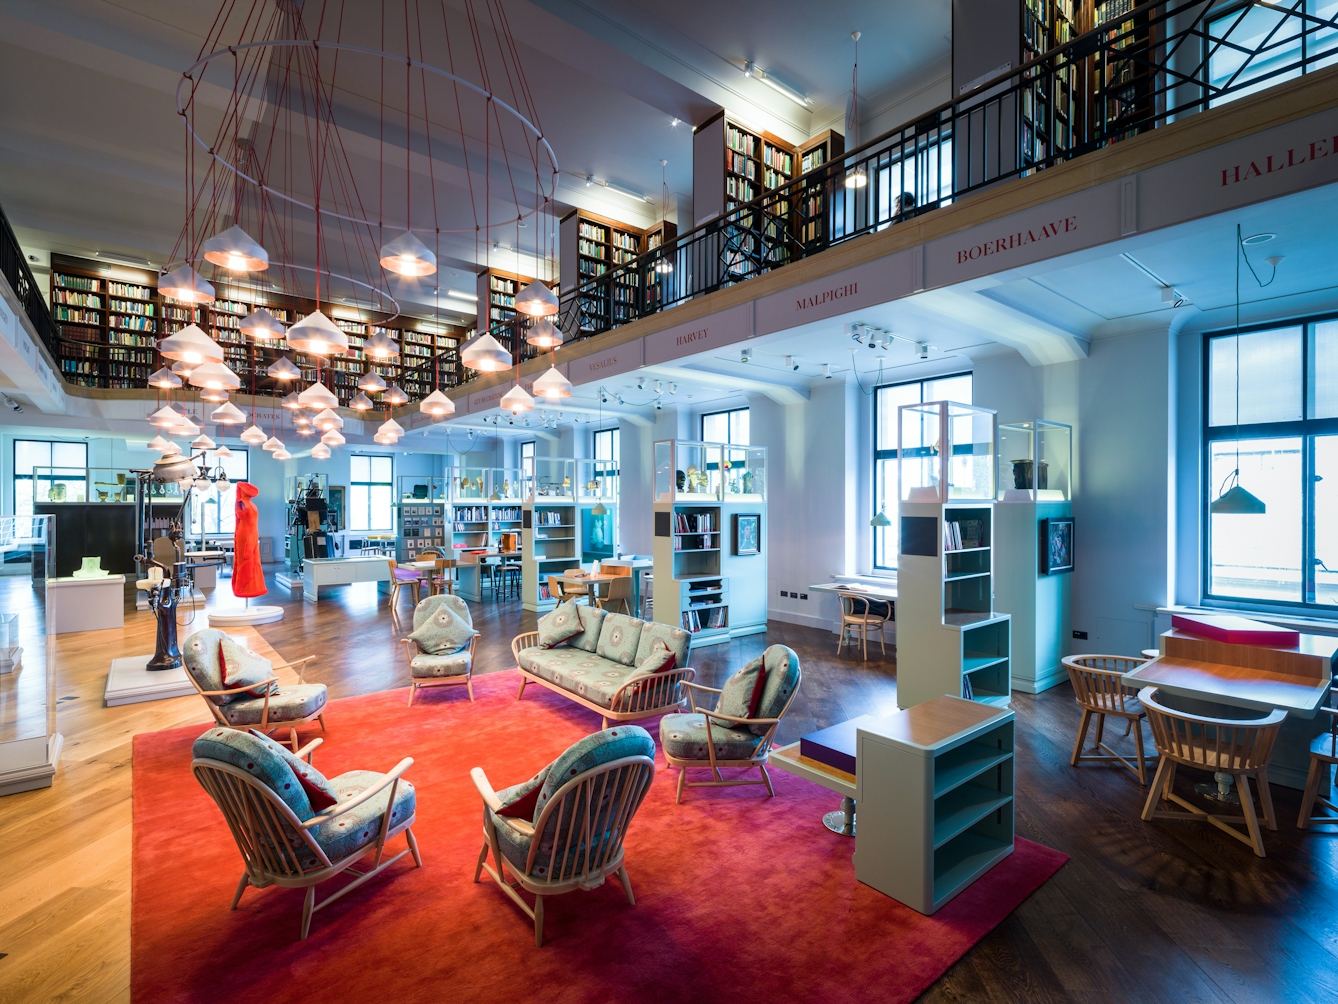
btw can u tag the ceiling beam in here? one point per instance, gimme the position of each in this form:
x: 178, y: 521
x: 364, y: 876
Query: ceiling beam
x: 1037, y: 341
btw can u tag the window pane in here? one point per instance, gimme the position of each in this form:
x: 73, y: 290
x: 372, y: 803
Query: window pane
x: 1251, y: 47
x: 738, y: 427
x: 1270, y: 377
x: 715, y: 428
x: 359, y: 469
x: 1258, y: 556
x: 954, y: 388
x: 889, y: 400
x: 380, y: 515
x: 885, y: 498
x: 358, y: 508
x: 381, y: 469
x: 74, y: 455
x: 1326, y: 520
x: 1324, y: 371
x: 29, y: 454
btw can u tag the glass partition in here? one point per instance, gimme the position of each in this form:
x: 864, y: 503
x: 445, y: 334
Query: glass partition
x: 469, y: 483
x: 686, y: 470
x: 506, y: 484
x: 1035, y: 460
x: 93, y: 484
x: 300, y: 487
x: 597, y: 479
x: 745, y: 473
x: 553, y: 477
x: 421, y: 488
x: 946, y: 451
x: 27, y: 676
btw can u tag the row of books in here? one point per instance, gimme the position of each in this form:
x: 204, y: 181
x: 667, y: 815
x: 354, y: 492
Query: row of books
x: 590, y: 248
x: 961, y: 534
x: 588, y: 267
x: 129, y: 356
x: 81, y: 351
x: 737, y: 188
x: 592, y: 231
x: 502, y: 299
x: 814, y: 158
x: 625, y: 240
x: 78, y: 282
x: 704, y: 620
x: 78, y: 299
x: 125, y: 338
x: 779, y: 159
x: 231, y: 307
x: 65, y: 313
x: 129, y: 289
x: 621, y: 257
x: 696, y: 522
x: 737, y: 139
x: 740, y: 164
x: 132, y: 323
x: 131, y: 307
x: 500, y: 285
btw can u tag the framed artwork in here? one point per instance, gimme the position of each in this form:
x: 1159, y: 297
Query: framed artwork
x: 1056, y: 545
x: 747, y: 533
x: 336, y: 494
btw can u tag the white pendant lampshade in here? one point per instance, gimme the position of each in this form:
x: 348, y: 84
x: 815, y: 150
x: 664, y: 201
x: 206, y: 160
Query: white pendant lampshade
x: 283, y: 369
x: 213, y: 396
x: 395, y: 396
x: 318, y: 335
x: 537, y: 300
x: 236, y: 250
x: 158, y: 443
x: 214, y: 376
x: 553, y: 386
x: 485, y: 354
x: 437, y: 405
x: 306, y: 430
x: 165, y: 418
x: 171, y: 449
x: 517, y: 400
x: 372, y: 382
x: 292, y: 401
x: 187, y: 285
x: 164, y: 379
x: 328, y: 419
x: 384, y: 439
x: 202, y: 442
x: 186, y: 428
x: 333, y: 437
x: 380, y: 346
x: 261, y: 325
x: 272, y: 444
x: 227, y: 414
x: 390, y: 428
x: 407, y: 255
x: 191, y: 345
x: 318, y: 397
x: 281, y: 455
x: 223, y: 451
x: 360, y: 402
x: 544, y: 334
x: 320, y: 452
x: 253, y: 436
x: 182, y: 370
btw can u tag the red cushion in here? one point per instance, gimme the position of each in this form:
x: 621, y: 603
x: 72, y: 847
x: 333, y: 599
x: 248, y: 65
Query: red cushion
x: 755, y: 701
x: 660, y: 660
x: 523, y: 807
x: 319, y: 797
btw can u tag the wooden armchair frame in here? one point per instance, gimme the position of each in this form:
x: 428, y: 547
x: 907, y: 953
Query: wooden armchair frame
x: 758, y: 759
x: 221, y: 720
x: 558, y: 590
x: 411, y: 649
x: 1099, y: 688
x: 630, y: 776
x: 860, y: 623
x: 642, y: 696
x: 442, y: 579
x: 272, y: 840
x: 1241, y: 748
x: 1323, y: 754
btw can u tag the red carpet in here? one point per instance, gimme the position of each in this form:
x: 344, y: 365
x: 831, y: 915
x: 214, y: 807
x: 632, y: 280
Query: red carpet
x: 737, y: 894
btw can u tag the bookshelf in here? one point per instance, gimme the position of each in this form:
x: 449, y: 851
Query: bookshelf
x: 1052, y: 103
x: 599, y: 245
x: 811, y: 223
x: 550, y: 546
x: 1125, y: 87
x: 109, y: 318
x: 496, y: 291
x: 692, y: 591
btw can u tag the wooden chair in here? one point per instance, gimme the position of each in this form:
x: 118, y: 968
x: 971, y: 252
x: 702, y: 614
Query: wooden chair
x: 575, y: 841
x: 1098, y: 686
x: 399, y: 579
x: 1240, y: 748
x: 561, y: 593
x: 858, y: 618
x: 453, y: 669
x: 279, y: 849
x: 618, y: 595
x: 443, y: 577
x: 1323, y: 755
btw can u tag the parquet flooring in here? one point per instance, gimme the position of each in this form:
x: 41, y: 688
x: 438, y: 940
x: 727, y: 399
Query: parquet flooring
x: 1142, y: 912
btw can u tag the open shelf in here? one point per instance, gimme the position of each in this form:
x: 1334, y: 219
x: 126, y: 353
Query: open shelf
x: 967, y: 856
x: 961, y: 808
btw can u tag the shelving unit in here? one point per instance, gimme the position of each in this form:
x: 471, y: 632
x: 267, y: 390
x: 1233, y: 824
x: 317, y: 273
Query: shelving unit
x: 812, y: 216
x: 550, y: 540
x: 935, y: 793
x: 1053, y: 102
x: 597, y: 245
x: 110, y: 320
x: 691, y: 590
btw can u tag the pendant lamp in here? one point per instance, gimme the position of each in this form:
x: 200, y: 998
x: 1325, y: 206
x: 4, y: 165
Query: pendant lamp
x: 333, y: 437
x: 223, y: 451
x: 537, y: 300
x: 214, y: 376
x: 320, y: 452
x: 158, y: 443
x: 599, y: 510
x: 186, y: 285
x: 171, y: 449
x: 165, y: 418
x: 164, y: 379
x: 186, y: 428
x: 227, y: 414
x: 371, y: 382
x: 283, y: 369
x: 272, y: 444
x: 360, y: 402
x: 306, y: 430
x: 384, y: 439
x: 485, y: 354
x: 664, y: 264
x: 318, y: 397
x: 517, y: 400
x: 407, y: 255
x: 318, y: 335
x: 437, y: 405
x: 182, y: 370
x: 395, y: 396
x: 553, y: 386
x: 328, y: 419
x: 880, y: 520
x: 391, y: 428
x: 236, y: 250
x: 281, y: 455
x: 213, y: 396
x: 261, y: 325
x: 253, y: 436
x: 192, y: 346
x: 857, y: 178
x: 380, y: 346
x: 202, y: 442
x: 544, y: 334
x: 292, y: 401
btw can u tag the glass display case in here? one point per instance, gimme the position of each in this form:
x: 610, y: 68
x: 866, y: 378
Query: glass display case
x: 506, y: 484
x: 300, y: 487
x: 597, y: 480
x: 946, y: 452
x: 94, y: 484
x: 553, y: 477
x: 1035, y: 461
x: 469, y: 483
x: 421, y: 488
x: 745, y: 475
x: 687, y: 471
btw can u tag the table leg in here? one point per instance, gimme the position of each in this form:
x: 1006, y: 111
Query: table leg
x: 842, y: 820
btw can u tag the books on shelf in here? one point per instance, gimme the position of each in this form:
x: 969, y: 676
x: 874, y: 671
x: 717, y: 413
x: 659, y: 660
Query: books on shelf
x: 704, y: 620
x: 77, y: 282
x: 696, y: 522
x: 963, y: 534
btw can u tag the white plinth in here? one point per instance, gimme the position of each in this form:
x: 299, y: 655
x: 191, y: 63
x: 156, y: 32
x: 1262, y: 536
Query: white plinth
x: 130, y: 683
x: 288, y: 581
x: 11, y: 659
x: 234, y: 616
x: 27, y: 764
x: 85, y: 604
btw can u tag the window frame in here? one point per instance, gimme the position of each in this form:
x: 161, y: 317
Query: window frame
x: 389, y: 483
x: 1306, y: 429
x: 701, y: 425
x: 15, y: 476
x: 197, y: 512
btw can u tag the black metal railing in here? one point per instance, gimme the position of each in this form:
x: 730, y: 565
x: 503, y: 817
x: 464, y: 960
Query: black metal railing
x: 14, y: 267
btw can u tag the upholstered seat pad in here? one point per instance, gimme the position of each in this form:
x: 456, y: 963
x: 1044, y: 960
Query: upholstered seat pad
x: 286, y: 704
x: 346, y: 833
x: 582, y: 673
x: 684, y: 737
x: 428, y: 666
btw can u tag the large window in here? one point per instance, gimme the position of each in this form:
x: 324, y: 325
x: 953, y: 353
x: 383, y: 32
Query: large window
x: 216, y: 510
x: 370, y: 493
x: 527, y: 466
x: 43, y: 469
x: 1272, y: 416
x: 605, y: 445
x: 886, y: 401
x: 726, y: 427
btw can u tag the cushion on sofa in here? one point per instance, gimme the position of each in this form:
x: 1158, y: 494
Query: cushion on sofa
x: 443, y: 632
x: 592, y: 620
x: 684, y: 736
x: 260, y: 760
x: 618, y: 639
x: 783, y: 676
x: 560, y: 624
x: 674, y: 638
x: 742, y: 693
x: 585, y: 675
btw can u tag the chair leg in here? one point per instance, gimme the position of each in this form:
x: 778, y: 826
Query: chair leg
x: 413, y: 691
x: 767, y: 778
x: 1251, y: 819
x: 521, y: 692
x: 308, y: 905
x: 538, y: 922
x: 1082, y: 734
x: 483, y: 856
x: 603, y: 722
x: 413, y: 847
x: 627, y: 885
x: 841, y: 640
x: 864, y: 642
x: 1100, y: 730
x: 1312, y: 780
x: 1266, y: 799
x: 292, y: 736
x: 682, y: 776
x: 321, y: 719
x: 1138, y: 745
x: 241, y: 888
x: 1160, y: 781
x: 469, y: 686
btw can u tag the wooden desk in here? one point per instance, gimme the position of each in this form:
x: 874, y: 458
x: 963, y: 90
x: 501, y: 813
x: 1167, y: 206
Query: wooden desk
x: 842, y: 820
x: 1239, y: 686
x: 886, y: 594
x: 589, y: 581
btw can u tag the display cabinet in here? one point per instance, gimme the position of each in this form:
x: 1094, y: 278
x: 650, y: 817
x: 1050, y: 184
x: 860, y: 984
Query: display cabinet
x: 506, y: 484
x: 421, y: 525
x: 93, y: 484
x: 1035, y: 461
x: 745, y: 473
x: 597, y: 480
x: 469, y: 483
x: 421, y: 488
x: 946, y: 452
x: 554, y: 477
x: 688, y: 471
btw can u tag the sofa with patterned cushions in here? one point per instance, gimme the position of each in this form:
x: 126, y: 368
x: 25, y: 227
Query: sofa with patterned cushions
x: 618, y: 666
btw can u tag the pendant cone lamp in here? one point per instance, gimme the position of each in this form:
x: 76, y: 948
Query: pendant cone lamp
x: 281, y: 455
x: 537, y: 300
x: 292, y: 401
x: 223, y: 451
x: 517, y: 400
x: 380, y: 346
x: 328, y: 419
x: 186, y: 285
x: 407, y: 255
x: 360, y: 402
x: 236, y: 250
x: 158, y: 443
x: 213, y: 396
x: 395, y: 396
x: 544, y: 334
x: 391, y: 428
x: 485, y: 354
x: 320, y: 452
x: 253, y: 435
x: 227, y: 414
x: 437, y: 405
x: 261, y: 325
x: 202, y: 442
x: 318, y: 335
x: 283, y: 369
x: 272, y: 444
x: 192, y: 346
x: 318, y: 397
x: 214, y: 376
x: 372, y: 382
x: 385, y: 439
x: 553, y: 386
x: 165, y: 418
x: 333, y: 437
x: 164, y: 379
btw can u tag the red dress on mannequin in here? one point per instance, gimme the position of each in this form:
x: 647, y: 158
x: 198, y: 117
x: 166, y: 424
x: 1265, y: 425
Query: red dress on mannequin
x: 248, y: 577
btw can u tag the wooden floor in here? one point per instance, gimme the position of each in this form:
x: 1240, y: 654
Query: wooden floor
x: 1142, y: 912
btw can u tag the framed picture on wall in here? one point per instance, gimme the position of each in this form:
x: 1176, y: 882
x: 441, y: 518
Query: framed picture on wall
x: 747, y: 533
x: 1056, y: 545
x: 337, y: 493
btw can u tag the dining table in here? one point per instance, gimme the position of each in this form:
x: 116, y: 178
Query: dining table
x: 589, y: 580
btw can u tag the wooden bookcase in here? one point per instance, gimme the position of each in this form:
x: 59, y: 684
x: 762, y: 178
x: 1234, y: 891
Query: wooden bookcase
x: 497, y: 312
x: 811, y: 218
x: 110, y: 319
x: 549, y: 540
x: 598, y: 245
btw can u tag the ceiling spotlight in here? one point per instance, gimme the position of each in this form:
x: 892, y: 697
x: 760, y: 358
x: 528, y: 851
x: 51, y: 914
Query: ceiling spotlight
x: 922, y: 349
x: 1173, y: 296
x: 826, y: 371
x: 641, y: 383
x: 745, y: 355
x: 659, y: 387
x: 790, y: 364
x: 673, y: 387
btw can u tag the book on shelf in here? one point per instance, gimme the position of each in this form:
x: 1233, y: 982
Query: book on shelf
x: 77, y: 282
x: 694, y: 621
x: 963, y: 534
x: 967, y: 693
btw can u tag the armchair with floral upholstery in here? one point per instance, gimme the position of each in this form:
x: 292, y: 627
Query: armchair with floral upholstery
x: 739, y: 731
x: 563, y: 829
x: 441, y: 647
